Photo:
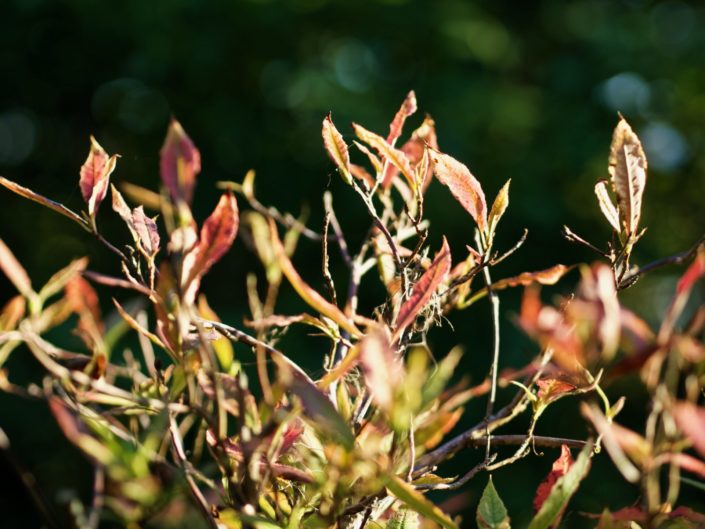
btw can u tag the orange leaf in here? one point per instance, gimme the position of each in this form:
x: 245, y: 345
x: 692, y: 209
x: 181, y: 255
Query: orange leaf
x: 424, y: 288
x: 180, y: 163
x: 463, y: 186
x: 408, y: 107
x: 560, y: 467
x: 336, y: 148
x: 550, y: 276
x: 308, y: 294
x: 396, y: 157
x: 95, y: 175
x: 217, y: 236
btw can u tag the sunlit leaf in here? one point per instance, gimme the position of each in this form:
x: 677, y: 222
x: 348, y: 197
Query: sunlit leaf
x: 132, y: 322
x: 381, y: 367
x: 308, y: 294
x: 222, y: 346
x: 39, y: 199
x: 396, y: 157
x: 606, y: 205
x: 552, y: 509
x: 491, y: 512
x: 58, y: 281
x: 691, y: 421
x: 415, y: 148
x: 627, y: 168
x: 95, y: 176
x: 424, y: 288
x: 549, y: 276
x: 408, y: 107
x: 12, y: 313
x: 14, y: 271
x: 416, y: 501
x: 180, y: 163
x: 336, y: 148
x: 463, y: 186
x: 499, y: 206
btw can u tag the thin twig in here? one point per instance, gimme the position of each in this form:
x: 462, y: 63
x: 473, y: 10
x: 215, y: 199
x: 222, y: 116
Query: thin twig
x: 330, y: 285
x: 494, y: 369
x: 573, y: 237
x: 337, y: 230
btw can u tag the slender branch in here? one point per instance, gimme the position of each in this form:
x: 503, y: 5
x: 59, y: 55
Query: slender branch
x: 325, y: 269
x: 116, y: 282
x: 337, y: 230
x: 573, y: 237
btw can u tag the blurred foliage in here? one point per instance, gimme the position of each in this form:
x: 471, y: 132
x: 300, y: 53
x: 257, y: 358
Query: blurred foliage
x: 525, y: 90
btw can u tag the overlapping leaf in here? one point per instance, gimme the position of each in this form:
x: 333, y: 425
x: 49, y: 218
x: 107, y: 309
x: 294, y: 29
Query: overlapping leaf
x: 95, y: 176
x: 394, y: 156
x: 336, y: 148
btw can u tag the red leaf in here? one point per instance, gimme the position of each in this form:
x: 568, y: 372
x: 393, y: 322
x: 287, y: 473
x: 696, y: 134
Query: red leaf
x: 408, y: 107
x: 180, y: 163
x: 550, y: 388
x: 384, y: 149
x: 95, y: 176
x: 146, y: 230
x: 381, y: 367
x: 691, y: 421
x: 217, y: 236
x: 560, y: 467
x: 424, y: 288
x: 463, y: 186
x: 336, y: 148
x: 695, y: 271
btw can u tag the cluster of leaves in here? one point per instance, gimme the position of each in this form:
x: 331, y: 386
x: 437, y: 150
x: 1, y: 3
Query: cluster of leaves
x: 358, y: 447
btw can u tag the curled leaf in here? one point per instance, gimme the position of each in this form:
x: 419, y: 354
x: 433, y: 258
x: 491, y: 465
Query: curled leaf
x: 143, y: 229
x: 627, y: 168
x: 180, y: 163
x: 499, y: 206
x: 606, y: 205
x: 95, y: 176
x: 336, y: 148
x: 424, y: 288
x: 463, y: 186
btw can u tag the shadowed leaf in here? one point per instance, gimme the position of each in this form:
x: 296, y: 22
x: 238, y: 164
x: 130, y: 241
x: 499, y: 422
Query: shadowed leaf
x: 336, y: 148
x: 12, y: 313
x: 180, y: 163
x: 95, y: 176
x: 491, y: 512
x: 463, y: 186
x: 560, y: 468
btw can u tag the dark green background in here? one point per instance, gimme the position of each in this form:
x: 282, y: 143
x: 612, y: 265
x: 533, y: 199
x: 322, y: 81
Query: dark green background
x: 521, y: 90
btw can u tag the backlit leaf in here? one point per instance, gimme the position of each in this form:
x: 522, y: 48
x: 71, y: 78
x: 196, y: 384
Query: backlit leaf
x: 463, y: 186
x: 95, y: 176
x: 307, y: 293
x: 552, y: 509
x: 424, y: 288
x: 627, y: 168
x: 180, y: 163
x: 550, y: 276
x: 408, y: 107
x: 499, y: 206
x: 14, y: 271
x: 416, y: 501
x: 396, y: 157
x: 337, y: 149
x: 39, y: 199
x: 491, y: 512
x: 606, y: 205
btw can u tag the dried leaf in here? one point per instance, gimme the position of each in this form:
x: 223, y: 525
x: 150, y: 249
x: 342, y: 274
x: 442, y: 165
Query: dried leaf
x: 491, y: 512
x: 691, y: 421
x: 337, y: 149
x: 606, y: 205
x: 416, y: 501
x: 627, y: 168
x: 550, y: 276
x: 463, y: 186
x: 14, y: 271
x: 381, y: 367
x: 95, y: 176
x: 408, y: 107
x: 180, y: 163
x: 39, y: 199
x: 217, y: 236
x: 308, y: 294
x: 396, y: 157
x: 560, y: 468
x: 424, y: 289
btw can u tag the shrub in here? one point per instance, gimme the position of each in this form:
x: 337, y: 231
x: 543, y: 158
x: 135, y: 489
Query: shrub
x: 360, y: 445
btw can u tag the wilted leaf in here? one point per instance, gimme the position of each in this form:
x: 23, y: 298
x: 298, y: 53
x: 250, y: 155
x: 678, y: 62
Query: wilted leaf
x: 560, y: 468
x: 627, y: 168
x: 691, y: 421
x: 499, y: 206
x: 550, y: 276
x: 39, y: 199
x: 396, y: 157
x: 217, y: 236
x: 337, y: 149
x: 491, y: 512
x: 180, y: 163
x: 381, y: 367
x: 95, y: 176
x: 606, y: 205
x: 424, y: 288
x: 552, y: 509
x: 408, y: 107
x: 416, y: 501
x: 14, y: 271
x: 463, y: 186
x: 308, y: 294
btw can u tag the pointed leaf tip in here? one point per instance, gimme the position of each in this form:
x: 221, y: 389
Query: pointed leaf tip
x: 491, y: 512
x: 336, y: 148
x: 180, y: 163
x: 95, y: 176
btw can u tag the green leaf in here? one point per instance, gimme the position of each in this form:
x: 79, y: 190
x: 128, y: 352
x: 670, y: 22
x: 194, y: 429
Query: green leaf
x: 413, y: 499
x: 552, y: 509
x: 491, y: 512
